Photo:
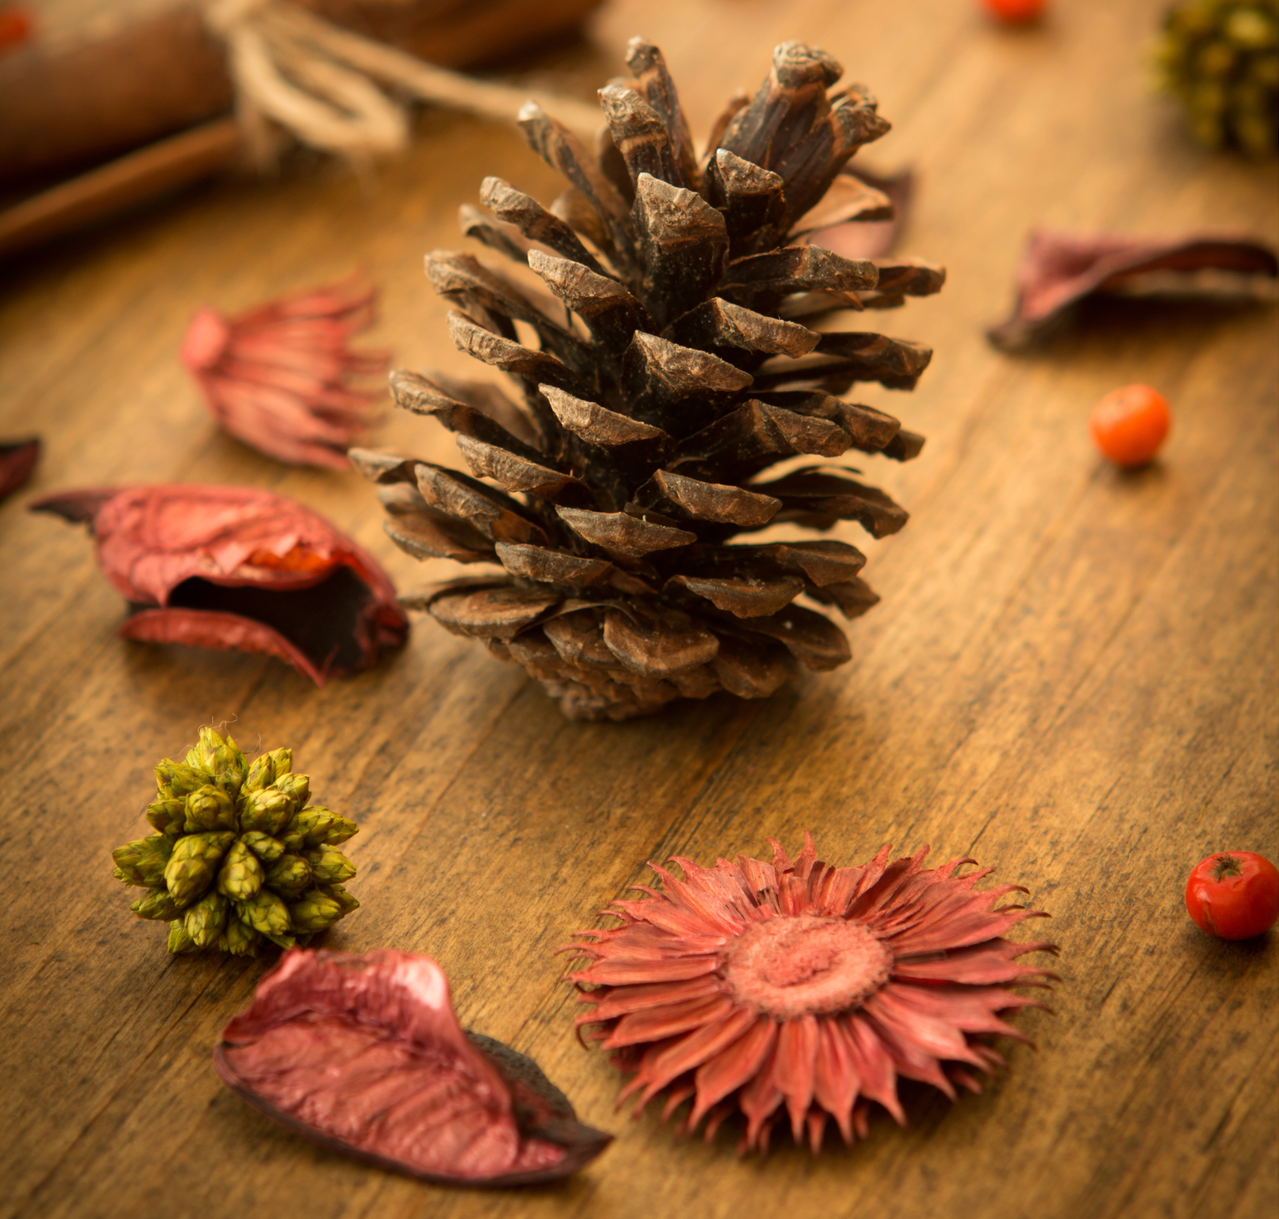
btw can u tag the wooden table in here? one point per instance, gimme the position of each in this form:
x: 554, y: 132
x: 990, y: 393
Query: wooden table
x: 1072, y: 676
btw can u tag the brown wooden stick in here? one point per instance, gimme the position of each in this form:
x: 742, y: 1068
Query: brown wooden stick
x: 121, y: 184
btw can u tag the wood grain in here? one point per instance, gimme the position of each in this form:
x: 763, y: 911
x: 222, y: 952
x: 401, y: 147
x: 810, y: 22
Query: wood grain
x: 1073, y: 675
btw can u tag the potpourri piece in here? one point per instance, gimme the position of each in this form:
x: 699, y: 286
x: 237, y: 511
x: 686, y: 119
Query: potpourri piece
x: 1059, y: 269
x: 1220, y: 58
x: 18, y: 460
x: 281, y: 377
x: 239, y: 857
x: 364, y: 1054
x: 675, y: 360
x: 797, y: 990
x: 239, y: 568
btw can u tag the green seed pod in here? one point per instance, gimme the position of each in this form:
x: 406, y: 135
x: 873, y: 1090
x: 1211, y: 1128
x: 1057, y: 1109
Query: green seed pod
x: 194, y: 864
x: 156, y: 905
x: 209, y: 808
x: 1218, y: 57
x: 265, y: 912
x: 329, y: 866
x: 290, y: 876
x: 341, y: 896
x: 241, y: 939
x: 283, y: 761
x: 229, y: 853
x: 241, y: 874
x: 261, y: 773
x: 179, y: 941
x: 221, y: 757
x: 268, y: 810
x: 318, y: 825
x: 315, y: 911
x: 266, y: 848
x: 175, y: 781
x: 143, y: 862
x: 168, y: 816
x: 296, y: 787
x: 205, y: 919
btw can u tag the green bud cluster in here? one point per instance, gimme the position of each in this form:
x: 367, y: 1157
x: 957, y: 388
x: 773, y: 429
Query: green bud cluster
x: 1221, y: 58
x: 238, y: 855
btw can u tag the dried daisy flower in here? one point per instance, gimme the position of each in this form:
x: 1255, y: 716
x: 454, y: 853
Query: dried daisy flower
x: 279, y: 377
x: 751, y: 986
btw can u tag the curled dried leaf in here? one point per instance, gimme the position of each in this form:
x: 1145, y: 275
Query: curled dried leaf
x: 239, y: 568
x: 1059, y: 269
x: 364, y: 1054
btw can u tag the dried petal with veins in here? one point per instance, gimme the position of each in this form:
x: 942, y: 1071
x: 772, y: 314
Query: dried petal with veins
x: 364, y: 1055
x: 239, y: 568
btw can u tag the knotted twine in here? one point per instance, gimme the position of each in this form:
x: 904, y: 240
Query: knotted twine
x: 316, y: 80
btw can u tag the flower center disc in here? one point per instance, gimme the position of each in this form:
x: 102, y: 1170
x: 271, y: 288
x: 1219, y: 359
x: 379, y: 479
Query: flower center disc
x: 788, y: 967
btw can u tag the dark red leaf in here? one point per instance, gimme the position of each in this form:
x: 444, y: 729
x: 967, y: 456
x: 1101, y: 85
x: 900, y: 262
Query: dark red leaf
x: 18, y: 460
x: 1060, y: 269
x: 279, y: 377
x: 239, y: 568
x: 365, y: 1055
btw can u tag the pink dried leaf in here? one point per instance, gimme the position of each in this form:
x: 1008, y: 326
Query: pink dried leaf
x: 281, y: 376
x: 239, y: 568
x: 364, y: 1054
x: 18, y: 460
x: 1059, y: 269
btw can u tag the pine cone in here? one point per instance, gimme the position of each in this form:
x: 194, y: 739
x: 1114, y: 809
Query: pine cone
x: 236, y: 857
x: 678, y: 365
x: 1221, y: 58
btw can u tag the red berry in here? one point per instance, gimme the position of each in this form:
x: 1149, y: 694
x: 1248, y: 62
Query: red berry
x: 1128, y: 425
x: 1234, y: 895
x: 15, y: 26
x: 1015, y: 12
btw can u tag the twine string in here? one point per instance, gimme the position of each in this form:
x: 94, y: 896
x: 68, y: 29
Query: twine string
x: 317, y: 81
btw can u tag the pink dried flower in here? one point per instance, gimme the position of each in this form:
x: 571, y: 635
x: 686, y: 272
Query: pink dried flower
x: 365, y: 1055
x: 751, y: 986
x: 279, y: 377
x: 239, y: 568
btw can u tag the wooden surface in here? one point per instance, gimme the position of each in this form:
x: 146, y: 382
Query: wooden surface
x: 1072, y: 676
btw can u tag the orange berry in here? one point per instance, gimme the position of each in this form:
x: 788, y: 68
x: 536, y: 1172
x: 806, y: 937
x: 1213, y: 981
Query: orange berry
x: 1128, y: 425
x: 1015, y: 12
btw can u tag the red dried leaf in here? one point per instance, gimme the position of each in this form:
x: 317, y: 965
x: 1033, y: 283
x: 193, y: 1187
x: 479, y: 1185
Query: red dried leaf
x: 278, y: 377
x: 18, y: 460
x: 239, y: 568
x: 365, y: 1055
x: 1060, y: 269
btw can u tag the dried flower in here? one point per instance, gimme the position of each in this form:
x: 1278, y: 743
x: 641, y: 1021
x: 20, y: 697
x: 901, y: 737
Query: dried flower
x: 279, y: 377
x: 752, y: 985
x: 1059, y: 269
x: 365, y: 1055
x: 239, y: 568
x: 18, y: 460
x: 238, y: 856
